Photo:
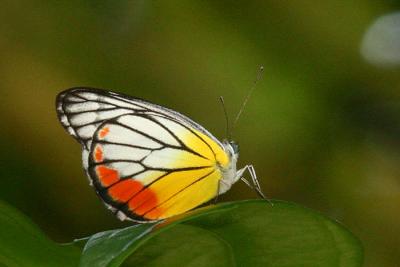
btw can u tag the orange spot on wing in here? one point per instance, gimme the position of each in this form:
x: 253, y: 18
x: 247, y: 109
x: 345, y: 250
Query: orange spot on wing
x: 155, y: 214
x: 125, y: 189
x: 98, y: 153
x: 143, y: 202
x: 103, y: 132
x: 107, y: 176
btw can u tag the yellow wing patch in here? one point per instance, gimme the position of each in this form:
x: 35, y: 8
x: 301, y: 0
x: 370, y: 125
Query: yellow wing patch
x: 187, y: 199
x: 220, y: 155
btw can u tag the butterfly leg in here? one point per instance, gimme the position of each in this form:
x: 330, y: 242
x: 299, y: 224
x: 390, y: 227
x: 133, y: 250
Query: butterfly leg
x: 255, y: 185
x: 252, y: 186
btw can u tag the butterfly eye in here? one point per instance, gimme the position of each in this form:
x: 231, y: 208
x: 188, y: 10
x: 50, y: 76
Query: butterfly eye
x: 235, y: 147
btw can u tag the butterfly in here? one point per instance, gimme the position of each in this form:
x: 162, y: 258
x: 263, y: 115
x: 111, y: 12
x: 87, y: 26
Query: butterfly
x: 145, y: 161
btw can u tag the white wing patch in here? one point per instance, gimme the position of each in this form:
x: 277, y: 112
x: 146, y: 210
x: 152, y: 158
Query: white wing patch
x: 126, y: 169
x: 151, y: 128
x: 87, y: 106
x: 118, y: 152
x: 86, y: 131
x: 90, y: 96
x: 119, y: 134
x: 122, y: 103
x: 95, y: 116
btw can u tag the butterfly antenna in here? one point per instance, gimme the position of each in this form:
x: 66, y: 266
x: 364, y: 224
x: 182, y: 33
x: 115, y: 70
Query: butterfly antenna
x: 260, y: 70
x: 228, y: 134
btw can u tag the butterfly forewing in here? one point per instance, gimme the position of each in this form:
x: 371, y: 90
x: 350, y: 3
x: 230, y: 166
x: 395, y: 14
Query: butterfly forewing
x: 145, y: 161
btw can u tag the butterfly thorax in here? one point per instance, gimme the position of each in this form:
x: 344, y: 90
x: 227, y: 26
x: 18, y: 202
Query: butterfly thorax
x: 229, y: 173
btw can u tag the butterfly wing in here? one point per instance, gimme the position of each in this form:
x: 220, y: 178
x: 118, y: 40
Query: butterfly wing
x: 145, y: 161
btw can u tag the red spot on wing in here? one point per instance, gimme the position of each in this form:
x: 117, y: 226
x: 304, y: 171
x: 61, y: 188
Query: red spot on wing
x: 143, y: 202
x: 107, y: 176
x: 98, y: 153
x: 103, y: 132
x: 124, y: 190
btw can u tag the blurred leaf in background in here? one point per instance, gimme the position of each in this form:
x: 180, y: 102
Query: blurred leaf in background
x: 321, y: 129
x: 23, y: 244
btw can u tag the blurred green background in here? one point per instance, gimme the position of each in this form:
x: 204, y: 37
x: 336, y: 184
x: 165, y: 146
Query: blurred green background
x: 322, y: 127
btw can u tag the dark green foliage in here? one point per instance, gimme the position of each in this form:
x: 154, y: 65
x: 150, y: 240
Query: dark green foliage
x: 246, y: 233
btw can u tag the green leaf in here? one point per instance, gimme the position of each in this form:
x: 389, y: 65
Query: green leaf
x: 112, y: 246
x: 23, y: 244
x: 246, y: 233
